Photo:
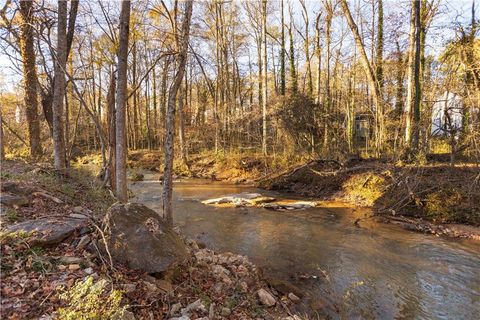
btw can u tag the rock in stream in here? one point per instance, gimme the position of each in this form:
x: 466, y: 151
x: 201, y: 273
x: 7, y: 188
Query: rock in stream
x: 258, y: 200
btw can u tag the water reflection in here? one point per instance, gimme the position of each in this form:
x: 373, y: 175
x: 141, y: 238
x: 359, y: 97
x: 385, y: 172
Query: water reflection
x: 373, y: 272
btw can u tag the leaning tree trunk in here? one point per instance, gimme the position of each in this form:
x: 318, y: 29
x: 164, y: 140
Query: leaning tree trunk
x: 30, y: 78
x: 59, y: 155
x: 120, y: 114
x: 182, y: 45
x: 372, y: 80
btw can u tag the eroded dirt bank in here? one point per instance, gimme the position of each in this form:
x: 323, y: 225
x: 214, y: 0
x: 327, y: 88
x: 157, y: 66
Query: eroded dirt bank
x: 437, y: 199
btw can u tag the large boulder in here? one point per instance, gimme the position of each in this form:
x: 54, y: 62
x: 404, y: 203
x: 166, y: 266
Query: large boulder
x: 138, y: 237
x: 48, y: 231
x: 13, y: 200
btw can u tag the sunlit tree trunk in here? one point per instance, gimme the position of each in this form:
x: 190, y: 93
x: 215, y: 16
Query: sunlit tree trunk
x: 136, y: 137
x: 163, y: 97
x: 328, y: 52
x: 265, y: 84
x: 59, y: 91
x: 379, y: 49
x: 182, y: 47
x: 282, y: 53
x: 412, y: 109
x: 121, y: 97
x: 318, y: 53
x: 155, y: 107
x: 47, y: 95
x: 181, y: 124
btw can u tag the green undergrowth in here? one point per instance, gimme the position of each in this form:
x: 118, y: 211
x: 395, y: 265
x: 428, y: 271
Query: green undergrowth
x: 91, y: 300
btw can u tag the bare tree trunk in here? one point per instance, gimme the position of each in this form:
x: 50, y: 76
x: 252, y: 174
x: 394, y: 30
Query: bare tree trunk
x: 282, y: 55
x: 182, y: 47
x: 293, y: 74
x: 328, y: 98
x: 136, y: 135
x: 111, y: 120
x: 351, y: 108
x: 155, y: 109
x: 307, y: 48
x: 163, y: 97
x: 265, y: 74
x: 318, y: 52
x: 399, y: 88
x: 30, y: 77
x: 379, y: 49
x: 413, y: 81
x: 181, y: 124
x: 47, y: 96
x: 2, y: 139
x: 121, y: 95
x: 59, y: 90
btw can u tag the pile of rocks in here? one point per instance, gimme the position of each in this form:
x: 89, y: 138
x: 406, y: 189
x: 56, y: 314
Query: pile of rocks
x: 234, y: 288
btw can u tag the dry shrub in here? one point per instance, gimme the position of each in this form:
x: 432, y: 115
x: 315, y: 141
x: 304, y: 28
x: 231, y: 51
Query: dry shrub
x: 366, y: 187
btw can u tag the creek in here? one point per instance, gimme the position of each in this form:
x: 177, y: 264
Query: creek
x: 376, y: 271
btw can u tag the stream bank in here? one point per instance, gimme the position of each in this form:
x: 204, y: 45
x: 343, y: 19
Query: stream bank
x: 44, y: 270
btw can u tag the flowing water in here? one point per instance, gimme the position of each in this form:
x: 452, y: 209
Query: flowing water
x: 376, y: 271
